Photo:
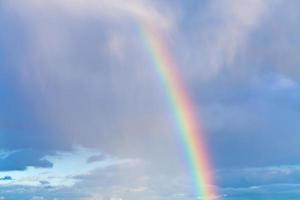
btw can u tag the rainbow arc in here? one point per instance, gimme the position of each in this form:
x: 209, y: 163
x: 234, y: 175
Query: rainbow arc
x: 186, y: 118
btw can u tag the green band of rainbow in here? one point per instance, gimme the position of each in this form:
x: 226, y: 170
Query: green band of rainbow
x: 186, y: 118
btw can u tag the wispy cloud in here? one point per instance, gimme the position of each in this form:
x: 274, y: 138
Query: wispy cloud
x: 140, y: 10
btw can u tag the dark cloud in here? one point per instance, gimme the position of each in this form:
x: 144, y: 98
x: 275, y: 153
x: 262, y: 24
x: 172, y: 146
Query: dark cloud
x: 241, y: 120
x: 257, y: 177
x: 28, y: 193
x: 6, y: 178
x: 44, y: 182
x: 274, y: 192
x: 106, y: 90
x: 96, y: 158
x: 21, y: 159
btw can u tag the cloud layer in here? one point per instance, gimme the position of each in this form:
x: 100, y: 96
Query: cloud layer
x: 78, y: 73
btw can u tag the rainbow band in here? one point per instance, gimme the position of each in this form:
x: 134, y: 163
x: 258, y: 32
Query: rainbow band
x: 186, y: 118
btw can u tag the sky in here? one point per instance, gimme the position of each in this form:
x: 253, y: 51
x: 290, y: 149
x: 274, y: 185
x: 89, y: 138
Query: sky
x: 84, y: 115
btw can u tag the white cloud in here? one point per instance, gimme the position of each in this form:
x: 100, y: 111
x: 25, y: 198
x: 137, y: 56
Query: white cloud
x: 140, y: 10
x: 37, y: 198
x: 237, y: 20
x: 282, y: 82
x: 66, y: 165
x: 223, y: 32
x: 116, y: 198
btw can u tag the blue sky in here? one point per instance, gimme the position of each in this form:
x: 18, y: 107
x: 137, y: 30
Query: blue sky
x: 83, y: 115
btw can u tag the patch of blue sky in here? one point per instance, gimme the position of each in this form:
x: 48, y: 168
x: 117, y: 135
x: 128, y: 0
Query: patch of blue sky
x: 66, y: 166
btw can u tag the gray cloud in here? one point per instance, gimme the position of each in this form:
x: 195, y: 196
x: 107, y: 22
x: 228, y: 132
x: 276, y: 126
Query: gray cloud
x: 257, y: 177
x: 22, y: 159
x: 96, y: 158
x: 91, y: 82
x: 6, y: 178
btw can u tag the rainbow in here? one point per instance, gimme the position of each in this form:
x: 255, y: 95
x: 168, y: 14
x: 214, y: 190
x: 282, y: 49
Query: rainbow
x: 185, y: 116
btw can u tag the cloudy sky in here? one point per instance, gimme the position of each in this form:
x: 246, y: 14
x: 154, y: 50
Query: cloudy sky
x: 84, y: 116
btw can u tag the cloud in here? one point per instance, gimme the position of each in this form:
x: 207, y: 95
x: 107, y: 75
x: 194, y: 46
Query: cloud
x: 43, y: 182
x: 235, y: 22
x: 60, y: 174
x: 253, y: 116
x: 73, y: 76
x: 92, y: 83
x: 112, y: 9
x: 275, y: 182
x: 37, y: 198
x: 6, y: 178
x: 81, y: 75
x: 22, y: 159
x: 259, y: 176
x: 26, y: 192
x: 96, y: 158
x: 89, y: 73
x: 217, y: 35
x: 133, y: 180
x: 263, y: 192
